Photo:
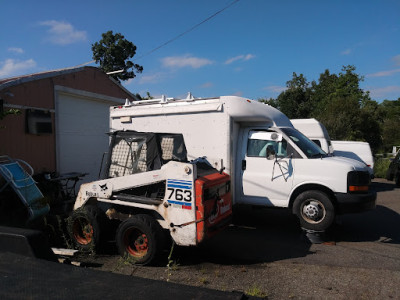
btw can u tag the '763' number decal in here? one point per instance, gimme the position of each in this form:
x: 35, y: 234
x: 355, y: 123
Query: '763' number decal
x: 179, y: 194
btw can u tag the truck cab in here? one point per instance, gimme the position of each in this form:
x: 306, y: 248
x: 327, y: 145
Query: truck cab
x: 296, y: 173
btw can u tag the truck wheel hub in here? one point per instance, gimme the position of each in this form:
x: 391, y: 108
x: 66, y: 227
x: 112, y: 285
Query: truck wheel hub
x: 313, y: 210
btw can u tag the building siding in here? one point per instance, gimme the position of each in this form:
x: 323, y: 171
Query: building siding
x: 40, y: 150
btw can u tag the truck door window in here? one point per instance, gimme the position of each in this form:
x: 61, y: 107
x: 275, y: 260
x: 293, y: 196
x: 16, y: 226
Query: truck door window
x: 310, y: 149
x: 259, y: 143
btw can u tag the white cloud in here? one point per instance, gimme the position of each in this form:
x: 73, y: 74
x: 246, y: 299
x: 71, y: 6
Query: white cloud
x: 207, y: 85
x: 16, y: 50
x: 387, y: 92
x: 238, y: 93
x: 346, y: 52
x: 11, y: 67
x: 396, y: 60
x: 275, y: 88
x: 384, y: 73
x: 239, y: 58
x: 147, y: 79
x: 63, y: 33
x: 153, y: 78
x: 185, y: 61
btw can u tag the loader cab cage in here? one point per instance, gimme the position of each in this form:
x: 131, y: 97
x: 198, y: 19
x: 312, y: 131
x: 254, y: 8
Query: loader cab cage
x: 133, y: 152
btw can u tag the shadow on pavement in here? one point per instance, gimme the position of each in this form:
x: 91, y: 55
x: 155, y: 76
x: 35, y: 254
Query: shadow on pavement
x: 382, y: 185
x: 381, y: 224
x: 267, y: 235
x: 257, y: 236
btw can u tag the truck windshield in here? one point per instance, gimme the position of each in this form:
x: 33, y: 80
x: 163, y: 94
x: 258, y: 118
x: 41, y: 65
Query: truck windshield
x: 309, y: 148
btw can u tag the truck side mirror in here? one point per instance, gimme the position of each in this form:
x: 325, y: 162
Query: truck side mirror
x: 270, y: 153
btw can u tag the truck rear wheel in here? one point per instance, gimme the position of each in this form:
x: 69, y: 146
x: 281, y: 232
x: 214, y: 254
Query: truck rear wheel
x: 140, y: 239
x: 84, y: 228
x: 314, y: 210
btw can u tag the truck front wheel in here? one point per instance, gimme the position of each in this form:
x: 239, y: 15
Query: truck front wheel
x: 314, y: 210
x: 140, y: 239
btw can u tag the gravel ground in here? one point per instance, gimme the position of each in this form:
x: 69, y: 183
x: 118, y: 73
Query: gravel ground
x: 265, y: 254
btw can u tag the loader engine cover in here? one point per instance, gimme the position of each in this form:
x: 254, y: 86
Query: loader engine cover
x: 213, y: 204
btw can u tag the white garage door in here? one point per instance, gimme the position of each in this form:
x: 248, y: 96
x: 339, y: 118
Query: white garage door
x: 81, y: 126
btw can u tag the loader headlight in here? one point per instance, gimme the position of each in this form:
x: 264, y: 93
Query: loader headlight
x: 187, y: 170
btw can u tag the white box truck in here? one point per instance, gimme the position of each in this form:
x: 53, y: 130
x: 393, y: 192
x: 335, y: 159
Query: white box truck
x: 270, y: 163
x: 316, y: 131
x: 360, y: 151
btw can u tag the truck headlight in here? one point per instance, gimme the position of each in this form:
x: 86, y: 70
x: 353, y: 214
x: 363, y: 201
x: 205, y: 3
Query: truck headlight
x: 358, y: 181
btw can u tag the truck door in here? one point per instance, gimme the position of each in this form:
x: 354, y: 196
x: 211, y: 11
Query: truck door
x: 267, y: 171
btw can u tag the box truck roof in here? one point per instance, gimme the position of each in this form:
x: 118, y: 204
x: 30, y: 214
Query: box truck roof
x: 311, y: 128
x: 240, y: 109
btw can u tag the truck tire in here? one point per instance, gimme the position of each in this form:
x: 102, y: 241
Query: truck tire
x: 83, y: 227
x: 140, y: 239
x: 314, y: 210
x: 397, y: 179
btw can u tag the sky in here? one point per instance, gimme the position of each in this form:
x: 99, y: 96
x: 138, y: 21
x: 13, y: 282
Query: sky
x: 250, y: 48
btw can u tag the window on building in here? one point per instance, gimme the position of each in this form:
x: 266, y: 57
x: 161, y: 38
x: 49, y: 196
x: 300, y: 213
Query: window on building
x: 38, y: 122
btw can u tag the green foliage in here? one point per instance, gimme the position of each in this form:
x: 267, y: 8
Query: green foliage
x: 339, y: 105
x: 390, y: 120
x: 3, y: 114
x: 296, y: 100
x: 343, y: 107
x: 114, y: 52
x: 271, y: 101
x: 380, y: 167
x: 204, y: 280
x: 140, y: 97
x: 255, y: 291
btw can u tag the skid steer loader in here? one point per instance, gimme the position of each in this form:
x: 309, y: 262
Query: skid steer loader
x: 153, y: 193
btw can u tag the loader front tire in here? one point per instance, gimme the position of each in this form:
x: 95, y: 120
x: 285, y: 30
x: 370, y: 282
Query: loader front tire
x: 140, y: 239
x: 83, y: 227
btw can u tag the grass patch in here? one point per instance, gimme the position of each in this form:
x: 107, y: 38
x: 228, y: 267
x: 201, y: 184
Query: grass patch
x: 204, y: 280
x: 255, y: 291
x: 172, y: 265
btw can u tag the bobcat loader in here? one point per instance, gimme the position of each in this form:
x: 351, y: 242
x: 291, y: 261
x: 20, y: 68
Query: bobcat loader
x: 153, y: 193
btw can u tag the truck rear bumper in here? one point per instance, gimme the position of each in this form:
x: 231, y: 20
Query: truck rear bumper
x: 353, y: 203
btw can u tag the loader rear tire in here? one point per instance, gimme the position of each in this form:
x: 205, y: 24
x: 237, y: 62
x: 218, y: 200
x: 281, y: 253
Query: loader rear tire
x: 83, y: 227
x: 140, y: 239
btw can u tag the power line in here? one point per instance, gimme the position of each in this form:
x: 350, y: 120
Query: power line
x: 174, y: 38
x: 189, y: 30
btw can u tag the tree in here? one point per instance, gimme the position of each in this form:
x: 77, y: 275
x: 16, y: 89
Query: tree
x: 346, y: 110
x: 114, y: 52
x: 338, y: 102
x: 390, y: 112
x: 295, y: 101
x: 271, y: 101
x: 147, y: 97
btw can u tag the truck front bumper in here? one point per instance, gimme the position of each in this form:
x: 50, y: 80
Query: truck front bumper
x: 353, y: 203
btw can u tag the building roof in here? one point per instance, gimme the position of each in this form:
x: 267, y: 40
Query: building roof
x: 13, y: 81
